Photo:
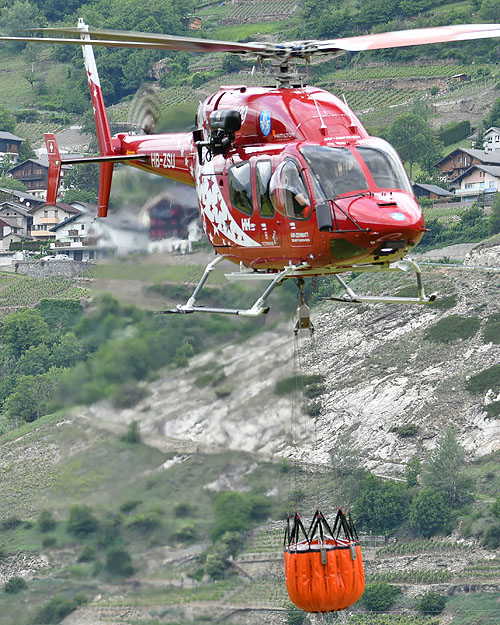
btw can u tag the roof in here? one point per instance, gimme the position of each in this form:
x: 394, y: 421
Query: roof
x: 433, y: 188
x: 7, y: 222
x: 10, y: 137
x: 67, y: 221
x: 494, y: 128
x: 14, y: 206
x: 22, y: 196
x: 481, y: 155
x: 489, y: 169
x: 67, y: 208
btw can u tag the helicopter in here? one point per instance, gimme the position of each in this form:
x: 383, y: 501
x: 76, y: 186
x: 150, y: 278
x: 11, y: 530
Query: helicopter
x: 290, y: 185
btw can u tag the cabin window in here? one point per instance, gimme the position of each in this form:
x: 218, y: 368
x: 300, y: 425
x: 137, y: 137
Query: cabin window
x: 263, y: 171
x: 240, y: 187
x: 289, y: 193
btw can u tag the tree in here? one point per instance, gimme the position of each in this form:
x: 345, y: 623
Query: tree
x: 429, y: 513
x: 17, y: 16
x: 26, y: 151
x: 82, y: 182
x: 493, y: 118
x: 7, y: 120
x: 346, y: 456
x: 22, y: 330
x: 443, y: 472
x: 133, y: 434
x: 494, y: 219
x: 490, y: 11
x: 8, y: 182
x: 412, y: 472
x: 381, y: 505
x: 412, y: 137
x: 31, y: 396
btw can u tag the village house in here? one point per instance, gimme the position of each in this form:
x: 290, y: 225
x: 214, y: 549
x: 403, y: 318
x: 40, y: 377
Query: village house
x: 9, y: 146
x: 17, y: 215
x: 432, y: 191
x: 492, y: 139
x: 75, y: 236
x: 460, y: 160
x: 8, y: 232
x: 478, y: 182
x: 47, y: 216
x: 34, y: 174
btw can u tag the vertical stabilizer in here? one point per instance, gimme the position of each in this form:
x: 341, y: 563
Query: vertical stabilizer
x: 54, y: 167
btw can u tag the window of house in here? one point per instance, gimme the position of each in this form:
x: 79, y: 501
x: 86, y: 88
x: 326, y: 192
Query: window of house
x: 263, y: 171
x: 240, y: 187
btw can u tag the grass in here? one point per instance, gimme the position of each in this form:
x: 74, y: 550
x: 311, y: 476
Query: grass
x: 148, y: 272
x: 482, y: 608
x: 241, y: 31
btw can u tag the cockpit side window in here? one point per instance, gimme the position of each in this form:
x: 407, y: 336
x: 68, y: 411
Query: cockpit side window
x: 289, y: 193
x: 387, y: 171
x: 263, y: 171
x: 240, y: 187
x: 336, y: 170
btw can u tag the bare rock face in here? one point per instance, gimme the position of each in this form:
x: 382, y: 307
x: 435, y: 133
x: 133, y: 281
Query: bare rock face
x: 484, y: 255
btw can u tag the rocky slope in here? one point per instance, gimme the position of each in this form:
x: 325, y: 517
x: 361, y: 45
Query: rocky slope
x: 380, y: 373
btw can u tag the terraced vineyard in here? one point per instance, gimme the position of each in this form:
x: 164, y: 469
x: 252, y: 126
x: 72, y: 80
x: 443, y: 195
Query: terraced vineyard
x: 34, y: 131
x: 246, y: 11
x: 22, y: 291
x: 406, y: 71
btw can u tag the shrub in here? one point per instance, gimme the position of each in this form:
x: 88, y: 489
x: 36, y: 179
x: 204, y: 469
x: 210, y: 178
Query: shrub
x: 379, y: 596
x: 10, y: 523
x: 129, y: 395
x: 49, y: 541
x: 56, y: 610
x: 46, y: 521
x: 215, y: 566
x: 15, y: 585
x: 128, y: 506
x: 87, y: 554
x: 312, y: 408
x: 484, y: 380
x: 147, y: 521
x: 495, y: 508
x: 491, y: 333
x: 452, y: 328
x: 81, y: 521
x: 381, y: 504
x: 446, y: 302
x: 493, y: 410
x: 294, y: 615
x: 431, y: 603
x: 314, y: 390
x: 133, y: 434
x: 406, y: 430
x: 119, y: 562
x: 182, y: 510
x: 492, y: 538
x: 187, y: 533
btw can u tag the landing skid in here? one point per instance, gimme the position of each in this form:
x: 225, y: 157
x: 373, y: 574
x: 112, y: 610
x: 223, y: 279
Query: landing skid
x: 259, y: 307
x: 301, y: 316
x: 351, y: 296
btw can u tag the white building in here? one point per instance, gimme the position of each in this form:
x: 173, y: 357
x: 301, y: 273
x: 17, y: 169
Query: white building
x: 478, y: 182
x: 75, y: 237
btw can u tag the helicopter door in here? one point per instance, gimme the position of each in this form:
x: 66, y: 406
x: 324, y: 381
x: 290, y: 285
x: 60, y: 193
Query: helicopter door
x: 291, y: 198
x: 267, y: 226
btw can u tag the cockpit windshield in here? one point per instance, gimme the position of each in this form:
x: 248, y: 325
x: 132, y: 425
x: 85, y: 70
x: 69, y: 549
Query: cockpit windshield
x: 385, y: 166
x: 334, y: 170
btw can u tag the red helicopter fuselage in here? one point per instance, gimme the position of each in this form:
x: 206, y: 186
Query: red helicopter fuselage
x: 297, y: 149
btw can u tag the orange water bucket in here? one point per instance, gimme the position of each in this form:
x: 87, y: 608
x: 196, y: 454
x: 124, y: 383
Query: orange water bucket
x: 323, y: 573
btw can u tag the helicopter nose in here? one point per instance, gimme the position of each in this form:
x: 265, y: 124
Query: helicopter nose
x: 397, y: 217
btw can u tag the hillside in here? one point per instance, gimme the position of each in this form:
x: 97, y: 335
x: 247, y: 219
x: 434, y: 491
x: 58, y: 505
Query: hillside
x: 220, y: 424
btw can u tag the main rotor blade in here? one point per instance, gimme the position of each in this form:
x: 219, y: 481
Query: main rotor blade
x: 418, y: 36
x: 131, y: 39
x: 281, y: 51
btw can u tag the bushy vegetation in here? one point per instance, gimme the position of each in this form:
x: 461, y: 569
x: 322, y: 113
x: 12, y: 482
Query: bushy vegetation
x: 15, y: 585
x: 379, y: 596
x: 56, y: 610
x: 484, y: 380
x: 453, y: 328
